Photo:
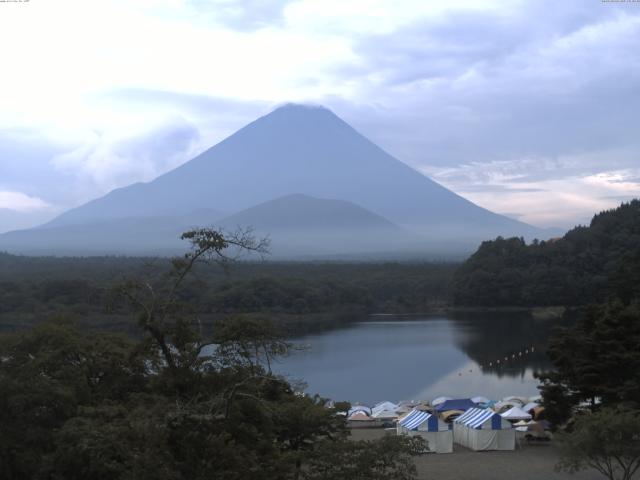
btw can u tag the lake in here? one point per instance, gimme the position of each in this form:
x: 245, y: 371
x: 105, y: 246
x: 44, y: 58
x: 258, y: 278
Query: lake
x: 419, y: 358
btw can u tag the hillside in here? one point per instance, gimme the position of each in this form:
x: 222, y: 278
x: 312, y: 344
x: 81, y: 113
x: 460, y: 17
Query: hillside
x: 585, y: 266
x: 299, y: 224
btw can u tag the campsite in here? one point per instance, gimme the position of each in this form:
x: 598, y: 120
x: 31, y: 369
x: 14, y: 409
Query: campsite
x: 479, y: 443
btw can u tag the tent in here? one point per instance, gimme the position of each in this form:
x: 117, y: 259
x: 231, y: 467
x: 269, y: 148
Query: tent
x: 516, y: 413
x: 480, y: 399
x: 503, y: 406
x: 437, y: 401
x: 359, y: 416
x: 384, y: 410
x: 514, y: 399
x: 359, y: 408
x: 530, y: 406
x: 437, y: 434
x: 480, y: 429
x: 450, y: 415
x: 456, y: 404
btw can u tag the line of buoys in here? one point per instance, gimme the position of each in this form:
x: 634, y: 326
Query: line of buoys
x: 506, y: 359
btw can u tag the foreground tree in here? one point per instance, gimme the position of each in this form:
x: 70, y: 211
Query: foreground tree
x: 596, y: 362
x: 607, y: 441
x: 389, y: 458
x: 175, y: 405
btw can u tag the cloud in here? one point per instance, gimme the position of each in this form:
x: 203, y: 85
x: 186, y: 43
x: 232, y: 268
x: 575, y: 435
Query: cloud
x: 496, y: 99
x: 19, y: 202
x: 108, y: 163
x: 545, y: 191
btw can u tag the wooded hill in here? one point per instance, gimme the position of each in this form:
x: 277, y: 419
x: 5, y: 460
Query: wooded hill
x: 585, y: 266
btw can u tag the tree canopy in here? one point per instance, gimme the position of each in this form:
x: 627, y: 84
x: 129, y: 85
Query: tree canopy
x: 171, y: 403
x: 587, y: 265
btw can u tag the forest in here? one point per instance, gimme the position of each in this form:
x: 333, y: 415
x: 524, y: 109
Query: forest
x: 298, y: 296
x: 587, y: 265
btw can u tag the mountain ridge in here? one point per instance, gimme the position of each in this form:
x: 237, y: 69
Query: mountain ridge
x: 307, y: 150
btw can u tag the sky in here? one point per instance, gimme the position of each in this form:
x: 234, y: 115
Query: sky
x: 528, y: 108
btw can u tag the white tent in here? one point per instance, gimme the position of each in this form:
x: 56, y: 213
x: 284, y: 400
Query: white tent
x: 514, y: 399
x: 385, y: 414
x: 530, y: 406
x: 516, y: 413
x: 437, y: 434
x: 359, y: 416
x: 439, y: 400
x: 480, y: 429
x: 480, y: 399
x: 384, y: 410
x: 359, y: 408
x: 503, y: 406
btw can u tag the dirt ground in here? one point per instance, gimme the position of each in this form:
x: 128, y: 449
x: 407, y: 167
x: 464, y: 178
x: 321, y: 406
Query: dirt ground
x: 530, y: 462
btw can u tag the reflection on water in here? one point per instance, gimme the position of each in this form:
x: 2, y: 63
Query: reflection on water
x: 396, y: 358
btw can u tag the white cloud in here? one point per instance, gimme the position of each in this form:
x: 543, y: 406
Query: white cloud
x: 105, y: 162
x: 545, y: 191
x: 21, y: 202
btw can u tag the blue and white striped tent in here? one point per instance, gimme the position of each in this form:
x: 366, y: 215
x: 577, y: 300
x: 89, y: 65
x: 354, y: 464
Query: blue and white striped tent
x: 417, y: 418
x: 483, y: 429
x: 437, y: 434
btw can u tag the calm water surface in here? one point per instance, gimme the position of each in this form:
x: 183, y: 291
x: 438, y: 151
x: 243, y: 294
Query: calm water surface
x: 403, y: 358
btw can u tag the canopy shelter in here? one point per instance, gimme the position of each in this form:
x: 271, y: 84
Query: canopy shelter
x: 516, y: 413
x: 359, y: 416
x: 530, y: 406
x: 503, y: 406
x: 480, y: 399
x: 428, y: 426
x: 456, y: 404
x: 385, y: 410
x: 482, y: 429
x: 437, y: 401
x: 450, y: 415
x: 378, y: 407
x: 359, y: 408
x: 515, y: 399
x: 538, y: 413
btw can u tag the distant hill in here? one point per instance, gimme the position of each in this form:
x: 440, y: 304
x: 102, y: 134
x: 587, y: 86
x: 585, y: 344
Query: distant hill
x: 300, y: 225
x: 585, y: 266
x: 294, y: 149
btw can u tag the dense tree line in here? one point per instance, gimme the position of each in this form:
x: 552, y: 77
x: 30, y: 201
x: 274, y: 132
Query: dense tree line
x: 585, y: 266
x: 301, y: 295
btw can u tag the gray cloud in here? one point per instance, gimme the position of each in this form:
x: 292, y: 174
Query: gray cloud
x: 549, y: 82
x: 107, y: 163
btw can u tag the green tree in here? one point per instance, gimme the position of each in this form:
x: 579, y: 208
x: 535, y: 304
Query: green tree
x: 596, y: 361
x: 607, y: 441
x: 389, y: 458
x: 174, y: 404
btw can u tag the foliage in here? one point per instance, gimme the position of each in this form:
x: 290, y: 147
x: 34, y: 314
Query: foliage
x: 385, y: 459
x: 173, y: 404
x: 299, y: 297
x: 587, y: 265
x: 595, y: 360
x: 607, y: 441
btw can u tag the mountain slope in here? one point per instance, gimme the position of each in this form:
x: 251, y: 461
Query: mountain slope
x: 308, y: 150
x: 153, y: 235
